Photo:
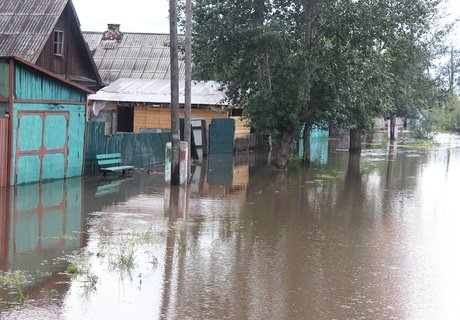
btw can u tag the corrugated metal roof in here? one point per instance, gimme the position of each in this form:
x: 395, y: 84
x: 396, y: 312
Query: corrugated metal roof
x: 159, y: 92
x: 25, y: 26
x: 145, y: 53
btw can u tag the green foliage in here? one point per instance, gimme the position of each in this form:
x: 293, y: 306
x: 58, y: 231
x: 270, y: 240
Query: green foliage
x: 73, y: 270
x: 425, y: 125
x: 450, y: 118
x: 80, y: 269
x: 14, y: 281
x: 287, y: 63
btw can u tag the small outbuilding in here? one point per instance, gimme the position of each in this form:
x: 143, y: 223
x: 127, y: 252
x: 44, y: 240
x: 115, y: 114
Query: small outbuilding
x: 136, y: 105
x: 42, y: 124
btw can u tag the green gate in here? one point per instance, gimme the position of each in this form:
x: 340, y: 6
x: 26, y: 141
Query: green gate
x: 42, y: 145
x: 221, y: 136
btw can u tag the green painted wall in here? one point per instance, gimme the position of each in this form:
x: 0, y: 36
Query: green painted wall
x: 32, y: 85
x: 319, y: 145
x: 4, y: 79
x: 32, y: 126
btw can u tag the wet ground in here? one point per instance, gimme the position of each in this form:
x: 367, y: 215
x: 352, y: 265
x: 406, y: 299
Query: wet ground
x: 370, y: 237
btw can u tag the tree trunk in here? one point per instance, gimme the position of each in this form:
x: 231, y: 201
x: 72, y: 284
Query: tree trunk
x: 282, y: 149
x: 392, y: 128
x: 355, y: 140
x: 306, y: 143
x: 353, y: 165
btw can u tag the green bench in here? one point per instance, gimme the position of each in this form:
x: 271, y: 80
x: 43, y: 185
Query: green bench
x: 111, y: 162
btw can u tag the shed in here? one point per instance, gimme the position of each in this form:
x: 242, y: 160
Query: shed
x: 42, y: 121
x: 134, y: 105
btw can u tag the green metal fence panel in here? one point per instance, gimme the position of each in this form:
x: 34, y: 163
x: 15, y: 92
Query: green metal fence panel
x: 142, y: 150
x: 221, y: 136
x: 319, y: 145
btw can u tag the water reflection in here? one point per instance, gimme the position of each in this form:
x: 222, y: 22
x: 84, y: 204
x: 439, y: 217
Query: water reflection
x: 370, y: 236
x: 39, y: 224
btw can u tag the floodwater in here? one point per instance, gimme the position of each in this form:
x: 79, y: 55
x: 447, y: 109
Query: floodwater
x: 370, y: 237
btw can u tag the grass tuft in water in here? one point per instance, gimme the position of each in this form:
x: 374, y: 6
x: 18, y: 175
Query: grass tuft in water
x: 421, y: 144
x: 80, y: 270
x: 14, y: 281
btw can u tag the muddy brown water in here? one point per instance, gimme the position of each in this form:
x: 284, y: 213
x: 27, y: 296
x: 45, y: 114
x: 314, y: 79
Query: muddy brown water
x: 369, y: 237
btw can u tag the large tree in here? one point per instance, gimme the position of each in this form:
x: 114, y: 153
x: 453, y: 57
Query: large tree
x: 290, y: 63
x: 260, y: 50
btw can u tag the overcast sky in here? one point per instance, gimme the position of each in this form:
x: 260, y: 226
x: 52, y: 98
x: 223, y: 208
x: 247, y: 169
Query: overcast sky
x: 152, y: 15
x: 133, y: 15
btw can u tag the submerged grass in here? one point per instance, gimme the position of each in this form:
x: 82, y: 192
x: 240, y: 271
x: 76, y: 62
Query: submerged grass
x: 421, y: 144
x: 333, y: 175
x: 80, y: 269
x: 13, y: 282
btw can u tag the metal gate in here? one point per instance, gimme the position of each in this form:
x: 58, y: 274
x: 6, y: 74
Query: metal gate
x: 41, y: 147
x: 4, y: 143
x: 221, y: 136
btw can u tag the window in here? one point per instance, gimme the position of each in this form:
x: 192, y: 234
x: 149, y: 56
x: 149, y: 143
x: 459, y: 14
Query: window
x: 58, y: 42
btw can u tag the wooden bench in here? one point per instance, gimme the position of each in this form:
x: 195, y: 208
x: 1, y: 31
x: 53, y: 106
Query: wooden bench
x: 111, y: 162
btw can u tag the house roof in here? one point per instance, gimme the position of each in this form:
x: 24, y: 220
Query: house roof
x: 133, y: 55
x: 26, y: 25
x: 158, y: 91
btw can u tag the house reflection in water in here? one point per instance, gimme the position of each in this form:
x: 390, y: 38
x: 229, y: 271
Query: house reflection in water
x: 224, y: 175
x: 38, y: 224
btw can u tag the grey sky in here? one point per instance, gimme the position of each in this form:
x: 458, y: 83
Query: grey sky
x: 152, y: 15
x: 133, y: 15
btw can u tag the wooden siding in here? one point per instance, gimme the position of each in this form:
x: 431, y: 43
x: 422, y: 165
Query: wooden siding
x: 4, y: 142
x: 32, y: 85
x: 4, y: 79
x: 75, y: 60
x: 242, y: 129
x: 160, y: 118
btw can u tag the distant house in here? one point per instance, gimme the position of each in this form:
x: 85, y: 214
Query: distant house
x: 131, y: 55
x: 47, y: 33
x: 136, y: 69
x: 42, y: 124
x: 135, y: 105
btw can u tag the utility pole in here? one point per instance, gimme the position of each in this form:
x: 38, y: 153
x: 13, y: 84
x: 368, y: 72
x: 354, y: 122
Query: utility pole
x: 188, y: 81
x: 175, y: 138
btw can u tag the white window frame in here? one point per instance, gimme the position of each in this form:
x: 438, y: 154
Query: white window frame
x: 58, y: 43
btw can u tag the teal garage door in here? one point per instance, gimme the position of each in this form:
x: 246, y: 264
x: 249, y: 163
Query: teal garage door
x: 41, y: 148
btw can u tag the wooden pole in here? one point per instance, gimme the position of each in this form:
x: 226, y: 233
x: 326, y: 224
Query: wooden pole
x: 188, y: 81
x: 175, y: 138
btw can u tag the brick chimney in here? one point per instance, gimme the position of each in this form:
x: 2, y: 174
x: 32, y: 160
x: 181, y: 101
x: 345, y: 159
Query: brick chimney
x: 113, y: 32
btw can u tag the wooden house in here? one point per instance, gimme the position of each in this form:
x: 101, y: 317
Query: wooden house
x: 136, y: 69
x: 47, y: 33
x: 135, y: 105
x: 42, y: 124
